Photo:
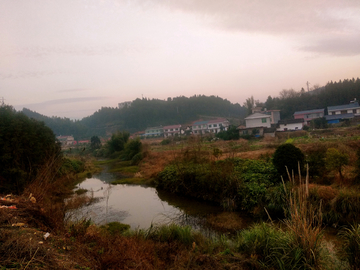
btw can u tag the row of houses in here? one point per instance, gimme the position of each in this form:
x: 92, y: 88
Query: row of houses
x: 196, y: 128
x: 69, y: 140
x: 263, y: 123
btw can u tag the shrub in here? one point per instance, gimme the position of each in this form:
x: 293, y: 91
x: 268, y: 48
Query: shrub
x: 136, y: 159
x: 288, y: 155
x: 165, y: 142
x: 132, y: 148
x: 118, y: 141
x: 351, y: 246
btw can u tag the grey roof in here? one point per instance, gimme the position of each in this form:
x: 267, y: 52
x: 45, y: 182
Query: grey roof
x: 309, y: 111
x: 339, y: 116
x: 341, y: 107
x: 257, y: 115
x: 291, y: 121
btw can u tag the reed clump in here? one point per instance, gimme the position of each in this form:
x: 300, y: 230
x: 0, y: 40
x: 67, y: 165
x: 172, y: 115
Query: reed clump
x: 351, y: 245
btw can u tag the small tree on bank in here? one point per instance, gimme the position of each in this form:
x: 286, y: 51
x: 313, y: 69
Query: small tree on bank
x: 335, y: 160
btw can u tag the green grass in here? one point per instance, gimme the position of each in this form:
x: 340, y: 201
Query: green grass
x: 132, y: 181
x: 127, y: 170
x: 351, y: 247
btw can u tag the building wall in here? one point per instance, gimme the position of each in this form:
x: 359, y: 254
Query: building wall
x: 258, y: 122
x: 292, y: 126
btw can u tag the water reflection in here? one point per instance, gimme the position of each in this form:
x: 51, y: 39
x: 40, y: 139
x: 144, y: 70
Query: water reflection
x: 141, y: 206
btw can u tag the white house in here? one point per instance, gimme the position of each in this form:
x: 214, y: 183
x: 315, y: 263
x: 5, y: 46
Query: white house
x: 170, y: 131
x: 255, y: 123
x: 210, y: 126
x: 258, y: 120
x: 291, y: 124
x: 154, y: 132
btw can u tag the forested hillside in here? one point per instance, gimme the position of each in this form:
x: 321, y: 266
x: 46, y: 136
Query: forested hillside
x: 334, y: 93
x: 143, y: 113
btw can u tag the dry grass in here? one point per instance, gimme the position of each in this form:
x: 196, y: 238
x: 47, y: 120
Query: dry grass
x: 227, y: 222
x: 305, y: 221
x: 256, y: 154
x: 155, y: 162
x: 325, y: 193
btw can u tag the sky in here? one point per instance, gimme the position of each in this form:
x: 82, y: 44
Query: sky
x: 69, y: 58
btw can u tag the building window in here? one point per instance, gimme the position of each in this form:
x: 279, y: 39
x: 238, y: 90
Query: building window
x: 209, y: 125
x: 343, y: 112
x: 215, y: 125
x: 263, y: 120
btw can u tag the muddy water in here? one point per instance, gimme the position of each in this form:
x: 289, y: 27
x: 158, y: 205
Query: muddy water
x: 141, y: 206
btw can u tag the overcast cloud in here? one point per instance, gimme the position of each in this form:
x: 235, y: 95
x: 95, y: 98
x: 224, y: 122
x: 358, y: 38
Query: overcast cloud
x: 59, y: 57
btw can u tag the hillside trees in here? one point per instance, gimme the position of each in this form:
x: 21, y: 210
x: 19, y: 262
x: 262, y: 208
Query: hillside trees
x: 26, y: 145
x: 332, y: 94
x: 143, y: 113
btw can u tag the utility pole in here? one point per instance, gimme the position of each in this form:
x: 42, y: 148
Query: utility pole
x: 307, y: 84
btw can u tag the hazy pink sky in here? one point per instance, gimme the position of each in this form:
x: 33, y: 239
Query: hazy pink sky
x: 69, y: 58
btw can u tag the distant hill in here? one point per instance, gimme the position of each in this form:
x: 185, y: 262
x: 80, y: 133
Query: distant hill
x: 143, y: 113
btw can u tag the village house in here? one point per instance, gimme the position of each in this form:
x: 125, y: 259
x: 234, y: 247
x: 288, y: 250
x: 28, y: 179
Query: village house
x: 154, y: 132
x: 353, y: 108
x: 255, y: 123
x: 309, y: 115
x: 66, y: 140
x: 173, y: 130
x: 210, y: 126
x: 290, y: 124
x: 342, y: 112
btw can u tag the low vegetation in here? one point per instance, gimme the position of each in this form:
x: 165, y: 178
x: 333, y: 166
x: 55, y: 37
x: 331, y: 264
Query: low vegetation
x: 293, y: 205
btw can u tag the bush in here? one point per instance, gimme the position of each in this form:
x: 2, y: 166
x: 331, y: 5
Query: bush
x: 165, y: 142
x: 288, y: 155
x: 118, y: 141
x: 351, y: 246
x: 26, y: 145
x: 132, y: 148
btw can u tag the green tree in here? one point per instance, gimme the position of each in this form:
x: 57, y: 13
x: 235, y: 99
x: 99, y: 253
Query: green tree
x: 26, y: 145
x: 335, y: 160
x: 249, y: 104
x: 118, y: 141
x: 288, y: 155
x: 95, y: 142
x: 319, y: 123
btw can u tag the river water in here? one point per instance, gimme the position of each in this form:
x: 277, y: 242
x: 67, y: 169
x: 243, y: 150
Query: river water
x: 141, y: 206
